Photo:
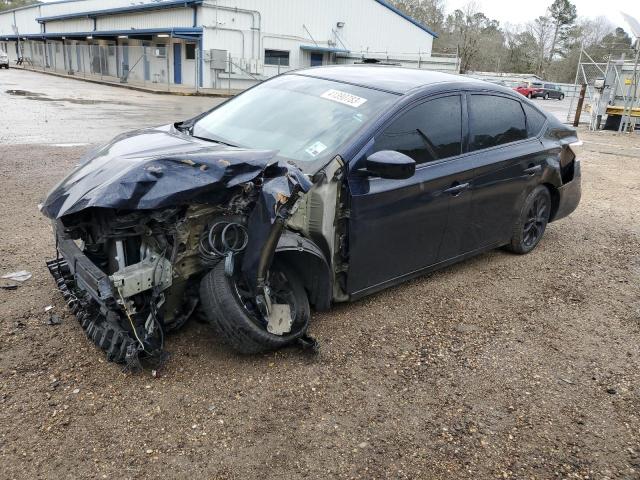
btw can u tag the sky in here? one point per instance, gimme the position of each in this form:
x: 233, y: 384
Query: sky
x: 515, y: 12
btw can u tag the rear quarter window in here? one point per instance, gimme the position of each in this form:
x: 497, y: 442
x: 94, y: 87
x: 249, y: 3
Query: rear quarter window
x: 495, y: 120
x: 535, y: 120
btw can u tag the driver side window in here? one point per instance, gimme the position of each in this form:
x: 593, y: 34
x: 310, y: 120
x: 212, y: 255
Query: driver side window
x: 429, y: 131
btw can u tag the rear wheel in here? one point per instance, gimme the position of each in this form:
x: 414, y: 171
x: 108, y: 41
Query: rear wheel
x: 546, y: 96
x: 232, y: 310
x: 532, y: 223
x: 561, y: 97
x: 529, y: 96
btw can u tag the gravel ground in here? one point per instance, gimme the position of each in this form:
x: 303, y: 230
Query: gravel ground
x: 500, y: 367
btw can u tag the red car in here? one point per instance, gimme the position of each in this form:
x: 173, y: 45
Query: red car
x: 528, y: 90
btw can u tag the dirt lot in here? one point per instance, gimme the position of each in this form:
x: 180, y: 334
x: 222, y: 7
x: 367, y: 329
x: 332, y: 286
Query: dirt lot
x: 500, y: 367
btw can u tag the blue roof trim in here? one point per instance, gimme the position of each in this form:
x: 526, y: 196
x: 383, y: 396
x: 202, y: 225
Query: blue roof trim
x: 407, y: 17
x: 315, y: 48
x: 174, y: 32
x: 122, y: 10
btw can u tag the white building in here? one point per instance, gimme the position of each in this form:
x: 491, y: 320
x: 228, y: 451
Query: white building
x: 215, y: 43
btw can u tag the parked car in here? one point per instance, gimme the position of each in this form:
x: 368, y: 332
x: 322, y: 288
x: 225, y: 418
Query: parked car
x: 4, y: 60
x: 528, y: 90
x: 547, y: 91
x: 315, y: 187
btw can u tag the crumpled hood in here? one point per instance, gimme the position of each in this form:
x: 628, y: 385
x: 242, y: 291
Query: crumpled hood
x: 163, y: 167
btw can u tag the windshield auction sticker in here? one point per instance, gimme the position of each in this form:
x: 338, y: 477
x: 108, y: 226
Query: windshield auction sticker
x: 344, y: 98
x: 316, y: 149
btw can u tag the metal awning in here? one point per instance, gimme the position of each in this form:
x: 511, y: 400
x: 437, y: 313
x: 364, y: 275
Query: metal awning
x: 316, y: 48
x: 183, y: 33
x: 122, y: 10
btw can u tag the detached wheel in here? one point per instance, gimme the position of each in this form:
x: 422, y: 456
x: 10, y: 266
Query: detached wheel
x: 534, y: 217
x: 232, y: 312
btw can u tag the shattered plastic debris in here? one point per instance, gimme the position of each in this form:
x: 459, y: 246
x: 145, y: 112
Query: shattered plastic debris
x: 21, y: 276
x: 6, y: 285
x: 53, y: 318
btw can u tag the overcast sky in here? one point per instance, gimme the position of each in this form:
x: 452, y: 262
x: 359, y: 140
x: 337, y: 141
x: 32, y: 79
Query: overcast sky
x: 518, y: 11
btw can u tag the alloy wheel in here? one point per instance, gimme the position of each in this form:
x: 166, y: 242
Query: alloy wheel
x: 536, y: 222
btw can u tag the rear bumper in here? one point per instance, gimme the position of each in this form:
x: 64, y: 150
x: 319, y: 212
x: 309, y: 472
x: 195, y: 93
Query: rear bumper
x: 570, y: 194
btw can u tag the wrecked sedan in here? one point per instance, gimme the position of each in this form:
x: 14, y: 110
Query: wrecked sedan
x: 318, y: 186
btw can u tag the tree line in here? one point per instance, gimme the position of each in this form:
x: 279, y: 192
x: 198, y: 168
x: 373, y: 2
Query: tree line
x: 548, y: 46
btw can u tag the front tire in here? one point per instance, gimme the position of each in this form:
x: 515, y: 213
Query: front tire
x: 532, y: 222
x: 546, y: 96
x: 561, y: 97
x: 239, y: 323
x: 529, y: 96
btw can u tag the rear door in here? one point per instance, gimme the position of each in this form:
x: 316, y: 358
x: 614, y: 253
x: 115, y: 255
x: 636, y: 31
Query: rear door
x: 396, y: 226
x: 509, y: 164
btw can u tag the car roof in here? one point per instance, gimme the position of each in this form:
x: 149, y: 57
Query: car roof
x: 394, y: 79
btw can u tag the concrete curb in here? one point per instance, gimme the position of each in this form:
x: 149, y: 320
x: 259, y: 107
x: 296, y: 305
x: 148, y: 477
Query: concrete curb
x: 133, y: 87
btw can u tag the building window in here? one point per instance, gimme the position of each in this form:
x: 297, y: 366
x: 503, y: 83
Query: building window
x: 276, y: 57
x: 161, y: 50
x: 190, y: 51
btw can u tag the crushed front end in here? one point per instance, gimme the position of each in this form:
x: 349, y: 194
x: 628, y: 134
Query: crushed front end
x: 135, y: 233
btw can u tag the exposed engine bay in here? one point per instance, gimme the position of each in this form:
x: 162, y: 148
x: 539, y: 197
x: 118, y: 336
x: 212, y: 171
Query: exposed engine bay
x: 143, y: 243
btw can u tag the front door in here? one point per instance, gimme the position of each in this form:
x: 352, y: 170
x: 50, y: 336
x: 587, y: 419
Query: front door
x: 396, y: 227
x: 177, y: 63
x: 316, y: 59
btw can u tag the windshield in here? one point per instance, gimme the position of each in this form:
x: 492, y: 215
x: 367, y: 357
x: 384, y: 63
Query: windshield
x: 306, y: 119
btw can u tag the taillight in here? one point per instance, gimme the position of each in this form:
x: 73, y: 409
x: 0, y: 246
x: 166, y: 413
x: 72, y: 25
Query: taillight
x: 576, y: 147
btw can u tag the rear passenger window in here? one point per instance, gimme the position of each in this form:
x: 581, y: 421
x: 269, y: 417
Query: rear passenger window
x: 495, y: 121
x: 430, y: 131
x: 535, y: 120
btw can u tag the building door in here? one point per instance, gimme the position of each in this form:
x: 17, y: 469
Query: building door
x: 125, y: 61
x: 145, y: 61
x: 177, y: 63
x: 78, y: 57
x: 316, y: 59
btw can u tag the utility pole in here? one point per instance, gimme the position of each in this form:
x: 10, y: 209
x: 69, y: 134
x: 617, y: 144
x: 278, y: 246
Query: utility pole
x: 583, y: 91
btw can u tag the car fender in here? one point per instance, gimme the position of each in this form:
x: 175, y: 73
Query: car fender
x: 311, y: 264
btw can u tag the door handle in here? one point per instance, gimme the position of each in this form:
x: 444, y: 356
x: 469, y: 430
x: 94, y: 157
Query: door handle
x: 457, y: 188
x: 533, y: 170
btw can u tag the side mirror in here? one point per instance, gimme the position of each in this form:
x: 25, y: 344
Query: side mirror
x: 391, y: 165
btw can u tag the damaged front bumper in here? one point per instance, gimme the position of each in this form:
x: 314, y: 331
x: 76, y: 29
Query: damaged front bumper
x: 86, y: 275
x: 96, y: 299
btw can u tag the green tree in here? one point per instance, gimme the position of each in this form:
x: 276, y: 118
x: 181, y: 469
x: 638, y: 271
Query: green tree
x: 562, y: 14
x: 477, y: 39
x: 428, y: 12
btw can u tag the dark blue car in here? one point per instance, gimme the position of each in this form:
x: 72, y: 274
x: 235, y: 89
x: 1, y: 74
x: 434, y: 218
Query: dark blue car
x: 318, y: 186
